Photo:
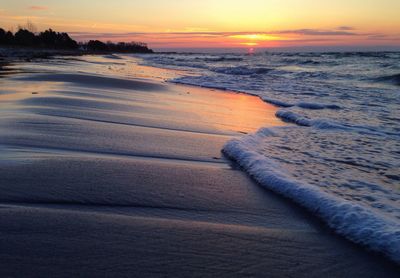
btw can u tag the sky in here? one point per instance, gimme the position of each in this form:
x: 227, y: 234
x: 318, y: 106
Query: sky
x: 196, y: 24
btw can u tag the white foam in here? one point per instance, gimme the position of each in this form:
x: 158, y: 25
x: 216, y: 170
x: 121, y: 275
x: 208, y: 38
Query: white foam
x: 292, y: 117
x: 352, y: 220
x: 276, y: 102
x: 344, y: 146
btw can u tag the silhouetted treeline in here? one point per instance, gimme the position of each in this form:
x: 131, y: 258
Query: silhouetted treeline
x: 50, y: 39
x: 47, y: 39
x: 121, y: 47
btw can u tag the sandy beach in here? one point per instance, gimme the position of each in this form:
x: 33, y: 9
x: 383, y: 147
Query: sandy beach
x: 108, y: 170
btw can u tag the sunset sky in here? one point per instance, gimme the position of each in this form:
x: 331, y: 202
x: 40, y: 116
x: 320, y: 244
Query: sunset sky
x: 166, y: 24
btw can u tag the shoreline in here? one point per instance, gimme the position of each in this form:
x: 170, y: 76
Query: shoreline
x: 349, y: 204
x: 159, y: 216
x: 11, y: 54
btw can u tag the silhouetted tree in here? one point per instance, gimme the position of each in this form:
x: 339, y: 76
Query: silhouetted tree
x: 24, y: 38
x: 9, y: 38
x: 96, y: 45
x: 51, y: 39
x: 121, y: 47
x: 128, y: 47
x: 54, y: 40
x: 2, y: 36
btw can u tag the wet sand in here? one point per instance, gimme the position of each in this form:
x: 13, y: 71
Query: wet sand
x: 103, y: 175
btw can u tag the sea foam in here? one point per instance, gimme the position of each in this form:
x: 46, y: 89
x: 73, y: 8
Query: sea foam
x: 352, y: 220
x: 339, y: 157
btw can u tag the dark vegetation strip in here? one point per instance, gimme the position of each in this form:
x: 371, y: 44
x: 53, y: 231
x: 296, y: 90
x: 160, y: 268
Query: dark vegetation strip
x: 52, y: 40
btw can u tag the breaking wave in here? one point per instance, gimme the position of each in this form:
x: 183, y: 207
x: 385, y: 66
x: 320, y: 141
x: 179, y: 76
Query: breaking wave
x: 340, y: 158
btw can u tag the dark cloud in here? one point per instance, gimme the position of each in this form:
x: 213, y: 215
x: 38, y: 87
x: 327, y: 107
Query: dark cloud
x: 383, y: 37
x: 317, y: 32
x: 345, y: 28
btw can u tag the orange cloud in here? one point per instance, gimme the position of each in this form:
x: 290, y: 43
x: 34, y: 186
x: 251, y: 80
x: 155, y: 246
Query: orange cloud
x: 38, y: 8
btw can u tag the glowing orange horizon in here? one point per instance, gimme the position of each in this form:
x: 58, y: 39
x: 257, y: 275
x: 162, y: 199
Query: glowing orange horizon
x: 209, y: 23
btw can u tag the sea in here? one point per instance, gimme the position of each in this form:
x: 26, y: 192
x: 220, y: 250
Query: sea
x: 339, y: 154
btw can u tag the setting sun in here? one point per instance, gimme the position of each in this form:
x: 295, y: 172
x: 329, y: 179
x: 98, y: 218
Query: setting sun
x: 249, y: 43
x: 217, y: 24
x: 256, y: 37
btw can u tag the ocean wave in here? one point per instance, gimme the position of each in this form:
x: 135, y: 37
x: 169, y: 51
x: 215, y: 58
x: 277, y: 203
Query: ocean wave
x: 344, y: 140
x: 294, y: 61
x: 221, y: 59
x: 294, y: 118
x: 304, y: 105
x: 312, y: 74
x: 276, y: 102
x: 354, y: 221
x: 370, y: 54
x: 317, y: 106
x: 242, y: 70
x: 321, y: 123
x: 393, y: 79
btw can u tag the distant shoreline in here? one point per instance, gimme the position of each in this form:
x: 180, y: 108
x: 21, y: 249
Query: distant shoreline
x: 27, y: 44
